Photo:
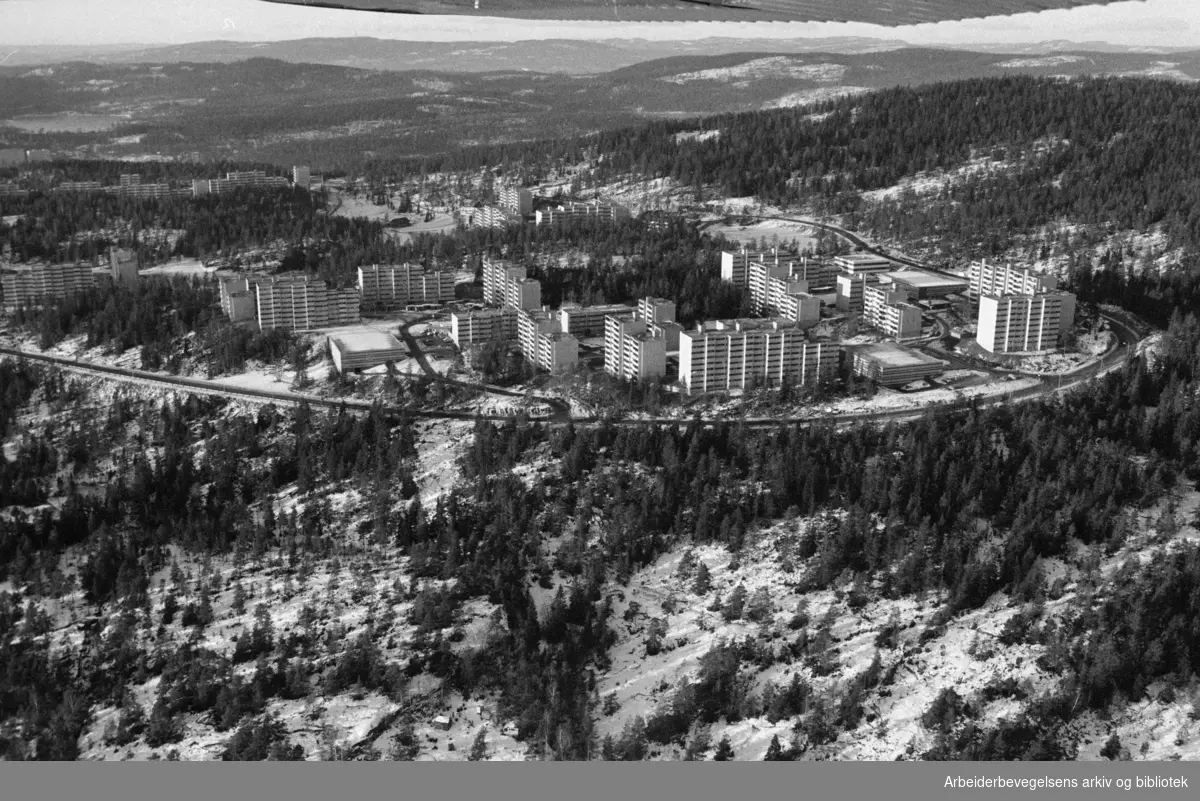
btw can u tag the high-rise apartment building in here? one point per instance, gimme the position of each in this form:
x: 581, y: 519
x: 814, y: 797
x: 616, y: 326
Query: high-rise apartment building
x: 739, y: 354
x: 1024, y: 323
x: 515, y: 200
x: 863, y: 263
x: 886, y: 308
x: 392, y: 286
x: 776, y: 292
x: 303, y: 304
x: 123, y: 265
x: 632, y: 350
x: 588, y: 321
x: 301, y: 177
x: 609, y: 212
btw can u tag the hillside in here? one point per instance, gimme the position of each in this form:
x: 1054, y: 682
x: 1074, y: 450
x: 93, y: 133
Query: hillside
x: 324, y: 114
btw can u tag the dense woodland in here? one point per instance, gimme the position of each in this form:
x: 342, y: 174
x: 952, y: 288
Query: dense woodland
x: 956, y: 506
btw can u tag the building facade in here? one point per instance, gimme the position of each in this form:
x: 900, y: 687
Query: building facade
x: 633, y: 351
x: 487, y: 325
x: 45, y: 281
x: 393, y: 286
x: 891, y: 365
x: 515, y: 200
x: 886, y: 308
x: 1002, y: 279
x: 588, y: 321
x: 741, y: 354
x: 608, y: 212
x: 123, y: 265
x: 1024, y: 323
x: 303, y: 304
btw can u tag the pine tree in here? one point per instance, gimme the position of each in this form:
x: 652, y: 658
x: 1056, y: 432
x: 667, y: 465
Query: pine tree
x: 724, y: 751
x: 479, y: 748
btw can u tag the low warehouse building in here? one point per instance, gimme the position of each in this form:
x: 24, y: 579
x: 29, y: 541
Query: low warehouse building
x: 892, y: 365
x: 361, y: 351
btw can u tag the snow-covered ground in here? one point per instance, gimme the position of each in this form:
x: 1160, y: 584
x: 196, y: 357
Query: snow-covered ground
x: 771, y: 230
x: 187, y: 267
x: 762, y: 68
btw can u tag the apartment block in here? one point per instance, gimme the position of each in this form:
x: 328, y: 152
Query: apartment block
x: 496, y: 275
x: 483, y: 217
x: 850, y: 291
x: 506, y: 285
x: 392, y: 286
x: 557, y: 352
x: 532, y: 323
x: 515, y: 200
x: 79, y: 186
x: 739, y: 354
x: 656, y: 310
x: 886, y: 308
x: 488, y: 325
x: 301, y: 177
x: 303, y: 304
x: 588, y: 321
x: 736, y: 263
x: 1024, y: 323
x: 609, y: 212
x: 1002, y: 279
x: 633, y: 351
x: 123, y: 265
x: 238, y: 180
x: 776, y: 291
x: 10, y: 189
x: 41, y: 281
x: 543, y: 343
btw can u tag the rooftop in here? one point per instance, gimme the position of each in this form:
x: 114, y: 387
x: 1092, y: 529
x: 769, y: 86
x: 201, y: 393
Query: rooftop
x: 924, y: 280
x: 366, y: 341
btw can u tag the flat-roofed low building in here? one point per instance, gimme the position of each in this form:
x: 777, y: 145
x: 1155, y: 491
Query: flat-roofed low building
x: 922, y: 285
x: 364, y: 350
x: 588, y: 321
x: 863, y: 263
x: 485, y: 325
x: 893, y: 365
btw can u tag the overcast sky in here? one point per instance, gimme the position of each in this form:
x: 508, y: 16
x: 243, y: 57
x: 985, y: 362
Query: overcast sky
x: 1174, y: 23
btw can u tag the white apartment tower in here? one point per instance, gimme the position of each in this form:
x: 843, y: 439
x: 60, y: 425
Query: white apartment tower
x: 391, y: 286
x: 1024, y: 323
x: 738, y: 354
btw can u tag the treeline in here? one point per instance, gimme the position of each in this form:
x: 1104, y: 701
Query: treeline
x: 172, y: 319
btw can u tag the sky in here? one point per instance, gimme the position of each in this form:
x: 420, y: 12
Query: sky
x: 1167, y: 23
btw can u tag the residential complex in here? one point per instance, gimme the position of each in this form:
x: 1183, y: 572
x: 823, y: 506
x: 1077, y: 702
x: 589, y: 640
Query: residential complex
x: 506, y: 285
x: 237, y: 180
x: 1024, y: 323
x: 737, y: 354
x: 543, y: 342
x: 301, y: 177
x: 892, y: 365
x: 483, y: 217
x: 393, y: 286
x: 850, y: 291
x: 487, y: 325
x: 38, y: 281
x: 632, y: 350
x: 736, y: 263
x: 1001, y: 279
x: 302, y: 303
x: 774, y: 291
x: 515, y: 200
x: 588, y: 321
x: 887, y: 309
x: 576, y: 210
x: 79, y: 186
